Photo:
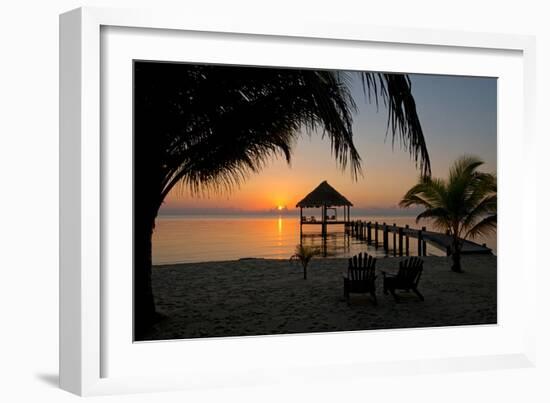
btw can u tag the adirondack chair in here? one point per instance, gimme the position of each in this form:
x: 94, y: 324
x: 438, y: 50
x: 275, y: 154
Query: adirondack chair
x: 360, y: 276
x: 407, y: 277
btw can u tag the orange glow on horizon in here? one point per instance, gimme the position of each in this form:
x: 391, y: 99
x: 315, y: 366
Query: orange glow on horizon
x: 281, y: 185
x: 269, y: 192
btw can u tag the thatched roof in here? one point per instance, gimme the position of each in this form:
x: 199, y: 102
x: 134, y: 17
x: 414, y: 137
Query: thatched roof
x: 324, y: 195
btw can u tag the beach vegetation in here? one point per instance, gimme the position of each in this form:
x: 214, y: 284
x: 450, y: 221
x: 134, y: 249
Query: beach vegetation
x: 303, y: 255
x: 464, y: 205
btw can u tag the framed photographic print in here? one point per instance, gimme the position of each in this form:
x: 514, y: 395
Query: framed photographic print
x: 241, y: 202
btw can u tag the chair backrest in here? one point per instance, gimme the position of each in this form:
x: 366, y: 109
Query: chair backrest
x: 410, y: 270
x: 361, y: 267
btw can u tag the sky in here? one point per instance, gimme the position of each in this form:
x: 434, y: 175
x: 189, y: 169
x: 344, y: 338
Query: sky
x: 458, y: 116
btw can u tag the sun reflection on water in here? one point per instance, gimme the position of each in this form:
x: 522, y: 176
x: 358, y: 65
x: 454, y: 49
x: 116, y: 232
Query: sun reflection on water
x: 199, y: 239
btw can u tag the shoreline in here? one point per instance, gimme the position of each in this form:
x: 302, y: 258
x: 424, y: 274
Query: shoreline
x: 244, y: 259
x: 249, y: 297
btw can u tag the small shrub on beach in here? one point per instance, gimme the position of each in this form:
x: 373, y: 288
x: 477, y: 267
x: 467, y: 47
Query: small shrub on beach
x: 303, y: 255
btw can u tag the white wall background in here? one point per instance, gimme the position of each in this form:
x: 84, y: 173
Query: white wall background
x: 29, y: 197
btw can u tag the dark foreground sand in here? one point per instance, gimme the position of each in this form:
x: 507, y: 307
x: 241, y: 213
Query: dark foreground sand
x: 256, y: 297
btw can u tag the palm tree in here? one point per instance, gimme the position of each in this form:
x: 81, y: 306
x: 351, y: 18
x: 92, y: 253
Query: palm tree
x: 207, y: 128
x: 303, y: 255
x: 464, y: 205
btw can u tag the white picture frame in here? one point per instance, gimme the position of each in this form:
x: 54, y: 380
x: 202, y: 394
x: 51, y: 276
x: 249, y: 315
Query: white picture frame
x: 88, y: 337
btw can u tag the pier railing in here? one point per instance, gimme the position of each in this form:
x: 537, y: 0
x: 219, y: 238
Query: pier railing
x: 377, y: 234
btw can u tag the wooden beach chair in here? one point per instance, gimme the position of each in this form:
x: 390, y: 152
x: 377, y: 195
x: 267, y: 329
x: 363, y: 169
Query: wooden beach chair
x: 360, y: 276
x: 406, y: 279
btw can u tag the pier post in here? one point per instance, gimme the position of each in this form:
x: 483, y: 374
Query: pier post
x: 400, y: 241
x: 385, y: 236
x: 407, y: 240
x: 419, y: 243
x: 369, y: 235
x: 376, y: 234
x: 387, y: 239
x: 301, y: 222
x: 394, y: 230
x: 346, y: 214
x: 324, y: 222
x: 423, y: 243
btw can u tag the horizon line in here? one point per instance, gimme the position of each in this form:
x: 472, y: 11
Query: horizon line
x: 287, y: 211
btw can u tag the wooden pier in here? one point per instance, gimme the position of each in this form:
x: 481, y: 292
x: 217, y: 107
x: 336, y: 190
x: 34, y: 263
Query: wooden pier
x: 370, y: 233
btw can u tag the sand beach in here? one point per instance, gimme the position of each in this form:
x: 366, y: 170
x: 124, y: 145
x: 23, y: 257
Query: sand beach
x: 268, y: 296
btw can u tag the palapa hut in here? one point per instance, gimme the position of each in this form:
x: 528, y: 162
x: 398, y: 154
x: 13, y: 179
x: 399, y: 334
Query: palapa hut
x: 327, y: 198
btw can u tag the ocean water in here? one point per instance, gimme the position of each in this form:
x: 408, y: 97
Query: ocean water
x: 192, y: 238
